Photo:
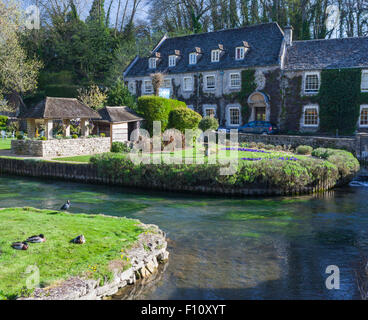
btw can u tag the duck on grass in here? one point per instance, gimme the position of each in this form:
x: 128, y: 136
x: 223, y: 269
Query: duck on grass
x: 58, y: 258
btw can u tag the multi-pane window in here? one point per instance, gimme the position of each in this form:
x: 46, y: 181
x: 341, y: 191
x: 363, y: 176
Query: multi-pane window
x: 364, y: 83
x: 192, y: 58
x: 235, y: 80
x: 210, y: 82
x: 188, y: 84
x: 148, y: 87
x: 167, y: 83
x: 234, y: 116
x: 311, y: 84
x: 363, y: 120
x: 239, y: 53
x: 215, y: 55
x: 152, y: 63
x: 210, y: 112
x: 131, y: 87
x: 172, y: 61
x: 311, y: 116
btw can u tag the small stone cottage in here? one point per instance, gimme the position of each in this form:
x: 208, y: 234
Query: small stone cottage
x: 252, y: 73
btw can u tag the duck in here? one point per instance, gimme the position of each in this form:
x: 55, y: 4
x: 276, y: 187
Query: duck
x: 20, y: 245
x: 36, y: 239
x: 79, y: 240
x: 66, y: 206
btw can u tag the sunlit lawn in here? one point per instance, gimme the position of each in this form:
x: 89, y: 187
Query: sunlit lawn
x: 57, y: 258
x: 5, y: 144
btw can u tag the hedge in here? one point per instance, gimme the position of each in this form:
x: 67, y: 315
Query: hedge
x: 155, y: 108
x: 184, y: 118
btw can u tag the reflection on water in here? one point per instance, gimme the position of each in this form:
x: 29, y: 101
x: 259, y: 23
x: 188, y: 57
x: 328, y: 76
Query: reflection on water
x: 221, y: 248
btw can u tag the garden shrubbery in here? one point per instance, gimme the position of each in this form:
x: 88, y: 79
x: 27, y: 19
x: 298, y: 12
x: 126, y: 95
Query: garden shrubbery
x: 208, y: 123
x: 347, y: 164
x: 304, y: 150
x: 155, y: 108
x: 273, y: 173
x: 184, y: 118
x: 118, y: 147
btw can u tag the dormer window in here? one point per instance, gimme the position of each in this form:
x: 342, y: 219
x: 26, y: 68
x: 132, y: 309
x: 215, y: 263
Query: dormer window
x: 193, y: 58
x: 152, y: 63
x: 239, y: 53
x: 215, y: 55
x: 172, y: 61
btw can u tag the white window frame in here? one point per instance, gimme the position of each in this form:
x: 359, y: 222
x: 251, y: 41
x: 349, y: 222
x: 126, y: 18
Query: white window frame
x: 132, y: 86
x: 192, y: 58
x: 364, y: 88
x: 192, y: 85
x: 228, y: 115
x: 172, y: 61
x: 209, y: 107
x: 242, y: 53
x: 305, y: 82
x: 145, y: 86
x: 152, y: 63
x: 363, y: 106
x: 230, y: 80
x: 215, y: 55
x: 167, y: 80
x: 206, y: 82
x: 310, y: 106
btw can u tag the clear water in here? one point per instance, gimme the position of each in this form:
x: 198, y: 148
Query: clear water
x: 222, y: 248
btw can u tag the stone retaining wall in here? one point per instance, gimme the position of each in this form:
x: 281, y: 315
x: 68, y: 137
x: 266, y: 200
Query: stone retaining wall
x: 349, y: 144
x: 60, y: 147
x: 144, y: 256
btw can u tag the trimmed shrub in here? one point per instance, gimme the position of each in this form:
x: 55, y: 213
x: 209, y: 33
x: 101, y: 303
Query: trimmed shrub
x: 157, y: 109
x: 184, y: 118
x: 74, y: 136
x: 208, y: 123
x: 102, y: 135
x: 20, y: 137
x: 304, y: 150
x: 118, y: 147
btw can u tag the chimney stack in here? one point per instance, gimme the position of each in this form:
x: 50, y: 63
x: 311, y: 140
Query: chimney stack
x: 288, y: 31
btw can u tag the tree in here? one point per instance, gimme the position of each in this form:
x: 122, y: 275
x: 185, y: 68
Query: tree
x: 93, y: 97
x: 208, y: 123
x: 18, y: 73
x: 119, y: 95
x: 157, y: 80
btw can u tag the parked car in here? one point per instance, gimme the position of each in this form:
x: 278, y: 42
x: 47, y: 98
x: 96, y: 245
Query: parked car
x: 261, y: 127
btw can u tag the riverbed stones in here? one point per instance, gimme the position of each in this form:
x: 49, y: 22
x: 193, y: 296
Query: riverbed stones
x: 144, y: 259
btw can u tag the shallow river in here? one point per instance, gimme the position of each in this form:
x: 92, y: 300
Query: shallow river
x: 221, y: 248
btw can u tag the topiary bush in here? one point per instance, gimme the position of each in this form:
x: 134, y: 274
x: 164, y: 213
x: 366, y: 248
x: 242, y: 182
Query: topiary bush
x: 208, y: 123
x: 304, y: 150
x: 102, y: 135
x: 157, y: 109
x: 74, y: 136
x: 184, y: 118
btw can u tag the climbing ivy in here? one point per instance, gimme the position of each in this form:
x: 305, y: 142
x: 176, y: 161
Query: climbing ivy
x: 339, y: 98
x: 248, y: 86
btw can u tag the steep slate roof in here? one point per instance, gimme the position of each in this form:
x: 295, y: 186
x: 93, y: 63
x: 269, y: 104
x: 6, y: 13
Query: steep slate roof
x: 60, y: 108
x: 328, y: 54
x: 265, y: 42
x: 118, y: 114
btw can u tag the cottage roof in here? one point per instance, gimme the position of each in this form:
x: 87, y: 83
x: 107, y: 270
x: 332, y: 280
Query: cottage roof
x: 118, y: 114
x: 60, y: 108
x: 265, y: 42
x: 328, y: 54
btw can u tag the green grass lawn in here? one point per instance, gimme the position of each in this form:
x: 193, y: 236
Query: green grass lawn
x: 5, y: 144
x: 85, y: 158
x: 57, y: 258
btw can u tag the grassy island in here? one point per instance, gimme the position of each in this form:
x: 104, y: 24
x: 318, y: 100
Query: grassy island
x: 57, y: 259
